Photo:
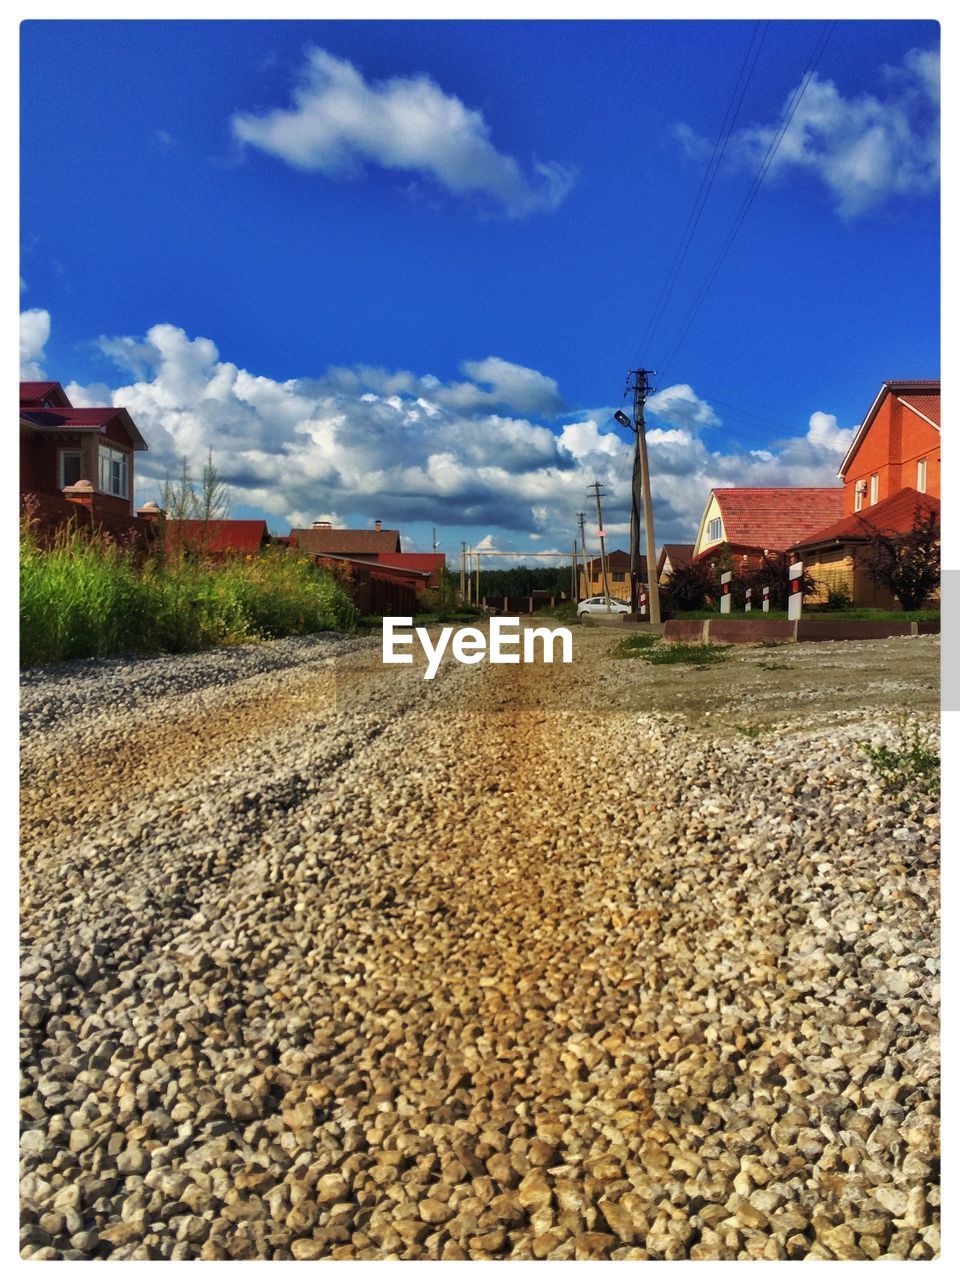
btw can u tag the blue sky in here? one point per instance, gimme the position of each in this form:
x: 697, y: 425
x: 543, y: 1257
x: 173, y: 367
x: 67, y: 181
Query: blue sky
x: 398, y: 270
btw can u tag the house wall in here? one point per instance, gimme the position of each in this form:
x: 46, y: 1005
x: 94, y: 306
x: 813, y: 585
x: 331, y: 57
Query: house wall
x: 896, y: 440
x: 40, y: 466
x: 712, y: 513
x: 846, y: 566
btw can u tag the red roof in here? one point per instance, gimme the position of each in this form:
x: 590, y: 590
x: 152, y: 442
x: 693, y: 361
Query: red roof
x: 774, y: 519
x: 346, y: 542
x: 895, y: 514
x: 425, y: 561
x: 218, y: 536
x: 93, y: 419
x: 928, y: 405
x: 35, y: 393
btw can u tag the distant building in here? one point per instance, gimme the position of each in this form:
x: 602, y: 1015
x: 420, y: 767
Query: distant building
x: 216, y: 538
x: 618, y: 567
x: 377, y: 546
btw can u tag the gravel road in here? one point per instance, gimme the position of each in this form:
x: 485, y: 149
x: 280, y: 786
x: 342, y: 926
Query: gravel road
x: 602, y: 961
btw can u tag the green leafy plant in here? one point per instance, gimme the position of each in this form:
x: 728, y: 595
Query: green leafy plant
x: 681, y: 654
x: 912, y: 763
x: 636, y: 645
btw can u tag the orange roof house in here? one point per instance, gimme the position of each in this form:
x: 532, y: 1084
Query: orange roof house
x: 896, y: 447
x: 750, y: 523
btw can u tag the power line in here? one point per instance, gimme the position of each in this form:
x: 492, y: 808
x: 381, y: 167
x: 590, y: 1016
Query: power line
x: 731, y: 115
x: 751, y: 195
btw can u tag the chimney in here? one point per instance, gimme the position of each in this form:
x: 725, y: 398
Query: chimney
x: 322, y: 524
x: 377, y: 524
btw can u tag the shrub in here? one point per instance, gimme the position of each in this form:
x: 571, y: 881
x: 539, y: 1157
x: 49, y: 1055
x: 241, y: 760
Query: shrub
x: 908, y: 564
x: 839, y: 597
x: 689, y: 587
x: 84, y: 595
x: 912, y: 762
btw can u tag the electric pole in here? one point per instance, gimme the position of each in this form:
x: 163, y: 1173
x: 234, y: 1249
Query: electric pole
x: 596, y: 487
x: 574, y: 592
x: 463, y: 566
x: 435, y: 543
x: 639, y: 383
x: 581, y: 517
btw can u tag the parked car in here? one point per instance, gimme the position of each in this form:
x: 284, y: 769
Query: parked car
x: 602, y: 604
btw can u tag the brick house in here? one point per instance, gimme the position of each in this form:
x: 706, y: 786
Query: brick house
x: 744, y: 525
x: 836, y: 557
x: 891, y: 474
x: 77, y: 462
x: 897, y: 446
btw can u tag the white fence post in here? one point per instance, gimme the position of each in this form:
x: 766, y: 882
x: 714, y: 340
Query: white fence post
x: 748, y: 605
x: 766, y: 599
x: 726, y: 599
x: 641, y: 601
x: 795, y: 603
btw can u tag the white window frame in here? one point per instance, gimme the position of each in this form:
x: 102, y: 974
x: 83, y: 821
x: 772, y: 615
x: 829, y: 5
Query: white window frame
x: 62, y: 455
x: 858, y: 490
x: 715, y: 529
x: 108, y: 459
x: 874, y: 489
x: 921, y: 475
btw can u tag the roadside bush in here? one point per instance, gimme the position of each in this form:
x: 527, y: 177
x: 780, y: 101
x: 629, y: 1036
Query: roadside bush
x: 689, y: 587
x: 85, y: 595
x: 839, y: 598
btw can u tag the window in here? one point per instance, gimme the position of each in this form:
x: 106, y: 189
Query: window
x: 715, y: 530
x: 859, y: 489
x: 69, y: 467
x: 874, y: 489
x: 922, y: 475
x: 114, y: 472
x: 619, y: 577
x: 595, y: 576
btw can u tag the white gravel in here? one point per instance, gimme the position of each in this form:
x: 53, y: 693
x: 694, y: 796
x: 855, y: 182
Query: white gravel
x: 322, y: 960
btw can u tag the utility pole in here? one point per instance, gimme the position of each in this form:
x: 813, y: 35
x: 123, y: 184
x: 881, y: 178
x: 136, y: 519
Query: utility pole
x: 477, y: 601
x: 463, y: 566
x: 573, y: 574
x: 581, y: 517
x: 435, y: 543
x: 596, y: 487
x: 638, y: 381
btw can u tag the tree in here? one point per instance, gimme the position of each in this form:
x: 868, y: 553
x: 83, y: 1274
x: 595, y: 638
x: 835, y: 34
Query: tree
x: 773, y: 571
x: 177, y: 498
x: 907, y: 564
x: 213, y: 501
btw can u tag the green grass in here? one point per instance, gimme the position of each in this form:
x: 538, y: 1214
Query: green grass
x: 85, y: 597
x: 751, y: 730
x: 681, y: 654
x: 912, y: 763
x: 636, y: 645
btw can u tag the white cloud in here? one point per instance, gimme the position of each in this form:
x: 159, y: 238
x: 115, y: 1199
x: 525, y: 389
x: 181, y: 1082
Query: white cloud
x: 680, y: 406
x: 864, y: 149
x: 353, y: 444
x: 339, y: 122
x: 34, y: 335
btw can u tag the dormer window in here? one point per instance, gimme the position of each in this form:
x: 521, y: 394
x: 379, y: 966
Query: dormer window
x: 715, y: 530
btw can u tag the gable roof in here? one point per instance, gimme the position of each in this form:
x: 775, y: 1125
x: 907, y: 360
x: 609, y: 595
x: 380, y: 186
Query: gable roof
x: 922, y: 395
x: 617, y: 560
x: 345, y: 542
x: 35, y: 393
x: 59, y: 418
x: 218, y: 536
x: 678, y: 553
x: 774, y: 519
x: 893, y: 515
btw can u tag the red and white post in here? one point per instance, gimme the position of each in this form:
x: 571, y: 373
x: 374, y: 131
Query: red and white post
x: 795, y: 602
x: 766, y: 599
x: 748, y: 603
x: 726, y: 599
